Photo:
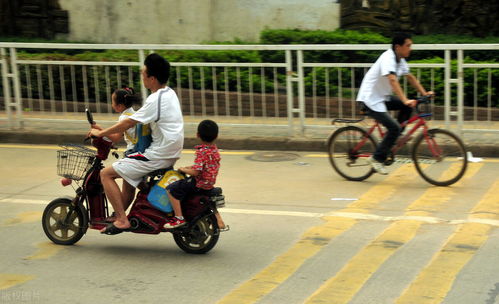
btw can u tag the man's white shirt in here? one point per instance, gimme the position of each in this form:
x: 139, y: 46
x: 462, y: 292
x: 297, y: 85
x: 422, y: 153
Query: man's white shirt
x: 375, y: 88
x: 167, y: 124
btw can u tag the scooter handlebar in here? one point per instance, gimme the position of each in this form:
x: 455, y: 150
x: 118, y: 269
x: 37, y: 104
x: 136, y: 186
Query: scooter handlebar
x: 90, y: 117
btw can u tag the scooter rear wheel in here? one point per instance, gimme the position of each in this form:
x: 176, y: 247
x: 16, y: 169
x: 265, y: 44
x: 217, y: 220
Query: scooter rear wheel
x: 60, y: 228
x: 200, y: 238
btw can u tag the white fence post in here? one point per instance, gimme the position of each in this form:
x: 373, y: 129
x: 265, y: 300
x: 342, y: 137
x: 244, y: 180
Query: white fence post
x: 460, y: 92
x: 17, y: 89
x: 301, y: 91
x: 143, y: 89
x: 15, y: 120
x: 289, y: 91
x: 447, y: 88
x: 6, y: 86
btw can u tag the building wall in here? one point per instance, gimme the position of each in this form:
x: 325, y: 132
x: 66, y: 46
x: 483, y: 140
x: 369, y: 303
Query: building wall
x: 192, y: 21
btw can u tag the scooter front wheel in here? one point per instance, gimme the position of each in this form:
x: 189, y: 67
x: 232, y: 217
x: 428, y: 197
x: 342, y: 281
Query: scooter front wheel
x: 63, y: 223
x: 200, y: 238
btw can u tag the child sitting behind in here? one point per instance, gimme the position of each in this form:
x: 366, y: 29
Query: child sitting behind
x: 203, y: 174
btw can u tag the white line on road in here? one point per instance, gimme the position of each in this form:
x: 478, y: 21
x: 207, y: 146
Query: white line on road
x: 352, y: 215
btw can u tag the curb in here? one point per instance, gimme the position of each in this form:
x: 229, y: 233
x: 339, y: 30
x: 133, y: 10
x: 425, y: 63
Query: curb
x: 227, y: 143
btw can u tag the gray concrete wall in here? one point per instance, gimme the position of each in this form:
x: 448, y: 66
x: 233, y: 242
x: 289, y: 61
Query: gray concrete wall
x: 245, y: 19
x: 192, y: 21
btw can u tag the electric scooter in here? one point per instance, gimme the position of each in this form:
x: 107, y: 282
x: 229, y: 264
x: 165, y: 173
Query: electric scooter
x: 66, y: 219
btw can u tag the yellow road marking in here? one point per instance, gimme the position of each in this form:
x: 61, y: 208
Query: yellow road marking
x: 8, y: 280
x: 25, y: 217
x: 435, y: 281
x: 286, y: 264
x: 188, y: 151
x: 55, y: 147
x: 488, y: 207
x: 310, y: 243
x: 14, y: 146
x: 349, y: 280
x: 45, y: 251
x: 403, y: 175
x: 435, y: 197
x: 317, y: 155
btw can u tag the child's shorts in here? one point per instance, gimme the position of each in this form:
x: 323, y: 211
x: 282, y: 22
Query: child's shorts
x: 182, y: 188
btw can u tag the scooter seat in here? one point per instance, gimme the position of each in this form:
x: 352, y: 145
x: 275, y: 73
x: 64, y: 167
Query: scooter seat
x: 213, y: 192
x: 159, y: 172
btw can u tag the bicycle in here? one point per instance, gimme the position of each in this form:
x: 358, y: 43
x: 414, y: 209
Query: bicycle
x: 434, y: 150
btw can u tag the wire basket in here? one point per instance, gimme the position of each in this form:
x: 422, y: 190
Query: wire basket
x: 74, y: 161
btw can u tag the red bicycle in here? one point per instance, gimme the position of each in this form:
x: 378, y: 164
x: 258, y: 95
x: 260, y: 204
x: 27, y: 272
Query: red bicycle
x: 439, y: 155
x: 66, y: 219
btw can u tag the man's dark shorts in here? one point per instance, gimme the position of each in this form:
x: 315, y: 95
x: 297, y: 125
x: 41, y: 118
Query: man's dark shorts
x: 182, y: 188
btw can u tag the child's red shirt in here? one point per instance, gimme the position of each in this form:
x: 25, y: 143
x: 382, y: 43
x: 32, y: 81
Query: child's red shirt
x: 208, y: 162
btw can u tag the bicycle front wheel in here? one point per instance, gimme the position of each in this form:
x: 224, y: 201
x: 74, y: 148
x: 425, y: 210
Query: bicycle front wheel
x: 440, y: 157
x: 349, y: 147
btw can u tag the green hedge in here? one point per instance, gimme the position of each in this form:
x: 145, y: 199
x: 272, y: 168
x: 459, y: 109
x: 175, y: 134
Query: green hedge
x: 481, y: 76
x: 267, y: 85
x: 323, y: 37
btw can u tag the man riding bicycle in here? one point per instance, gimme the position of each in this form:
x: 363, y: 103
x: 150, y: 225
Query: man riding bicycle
x: 376, y: 94
x: 162, y: 112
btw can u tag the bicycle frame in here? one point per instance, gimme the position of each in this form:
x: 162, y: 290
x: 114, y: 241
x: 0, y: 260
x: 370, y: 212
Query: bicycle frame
x: 418, y: 119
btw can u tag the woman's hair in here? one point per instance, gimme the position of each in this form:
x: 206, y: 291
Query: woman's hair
x: 126, y: 96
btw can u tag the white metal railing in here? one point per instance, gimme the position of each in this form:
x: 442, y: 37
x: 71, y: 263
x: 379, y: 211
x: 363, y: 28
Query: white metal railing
x: 293, y: 83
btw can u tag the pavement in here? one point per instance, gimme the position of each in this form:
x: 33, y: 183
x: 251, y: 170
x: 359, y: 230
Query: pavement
x: 235, y: 133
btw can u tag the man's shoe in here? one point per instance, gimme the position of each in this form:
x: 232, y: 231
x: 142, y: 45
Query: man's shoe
x: 377, y: 166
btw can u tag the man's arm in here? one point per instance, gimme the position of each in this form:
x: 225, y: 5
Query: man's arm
x: 119, y: 127
x: 397, y: 89
x: 413, y: 81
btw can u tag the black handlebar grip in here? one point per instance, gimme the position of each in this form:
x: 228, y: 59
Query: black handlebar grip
x: 90, y: 117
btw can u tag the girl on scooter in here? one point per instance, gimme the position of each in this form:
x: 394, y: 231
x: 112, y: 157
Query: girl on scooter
x: 122, y: 101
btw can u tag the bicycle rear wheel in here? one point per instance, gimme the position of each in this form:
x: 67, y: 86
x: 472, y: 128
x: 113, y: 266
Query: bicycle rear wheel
x: 348, y: 148
x: 440, y: 157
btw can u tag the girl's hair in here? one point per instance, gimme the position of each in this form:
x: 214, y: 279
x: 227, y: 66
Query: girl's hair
x: 127, y: 97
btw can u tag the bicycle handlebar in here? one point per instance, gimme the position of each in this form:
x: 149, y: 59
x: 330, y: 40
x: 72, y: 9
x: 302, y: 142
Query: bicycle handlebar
x: 422, y: 100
